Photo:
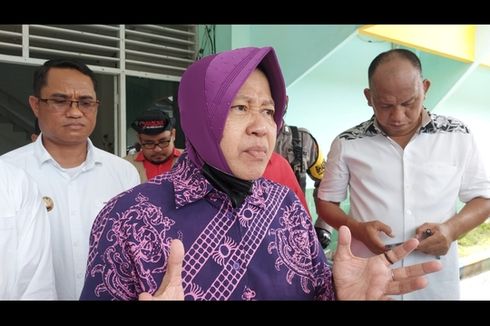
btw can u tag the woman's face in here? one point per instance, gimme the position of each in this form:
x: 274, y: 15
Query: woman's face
x: 249, y: 135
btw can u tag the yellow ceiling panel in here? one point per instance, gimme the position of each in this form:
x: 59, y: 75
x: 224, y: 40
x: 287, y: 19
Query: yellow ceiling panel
x: 452, y: 41
x: 486, y: 62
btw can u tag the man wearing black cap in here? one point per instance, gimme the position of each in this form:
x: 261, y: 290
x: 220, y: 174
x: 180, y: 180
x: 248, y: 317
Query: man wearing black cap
x: 156, y: 135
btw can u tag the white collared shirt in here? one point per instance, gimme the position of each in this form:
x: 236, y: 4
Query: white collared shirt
x: 77, y: 200
x: 26, y: 262
x: 405, y: 188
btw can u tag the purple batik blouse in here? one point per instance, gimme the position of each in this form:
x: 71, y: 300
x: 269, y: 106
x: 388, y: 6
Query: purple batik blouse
x: 264, y: 250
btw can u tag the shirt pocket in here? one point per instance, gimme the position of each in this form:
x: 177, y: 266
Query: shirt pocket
x: 438, y: 180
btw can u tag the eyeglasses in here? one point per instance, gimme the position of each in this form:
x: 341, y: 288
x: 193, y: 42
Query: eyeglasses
x: 84, y: 105
x: 161, y: 143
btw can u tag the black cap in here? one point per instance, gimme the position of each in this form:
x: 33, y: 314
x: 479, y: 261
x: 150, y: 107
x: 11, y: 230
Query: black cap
x: 153, y: 122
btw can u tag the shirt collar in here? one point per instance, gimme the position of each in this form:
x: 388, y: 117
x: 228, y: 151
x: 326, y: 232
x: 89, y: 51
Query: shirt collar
x: 140, y: 157
x: 94, y: 157
x: 43, y: 156
x: 426, y: 120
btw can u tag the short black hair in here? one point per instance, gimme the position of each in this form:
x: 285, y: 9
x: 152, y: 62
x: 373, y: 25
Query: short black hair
x: 40, y: 75
x: 388, y: 55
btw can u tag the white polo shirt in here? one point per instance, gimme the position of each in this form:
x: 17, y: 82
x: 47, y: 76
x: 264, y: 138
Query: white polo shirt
x: 406, y: 188
x: 26, y: 262
x: 78, y: 195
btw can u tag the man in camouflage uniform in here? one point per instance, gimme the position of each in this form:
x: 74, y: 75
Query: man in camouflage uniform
x: 301, y: 150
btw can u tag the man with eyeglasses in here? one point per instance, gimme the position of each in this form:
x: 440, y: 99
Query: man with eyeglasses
x: 76, y: 179
x: 156, y: 135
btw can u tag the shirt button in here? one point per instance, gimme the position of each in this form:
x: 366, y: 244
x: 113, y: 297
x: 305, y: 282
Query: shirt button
x: 409, y: 212
x: 236, y: 265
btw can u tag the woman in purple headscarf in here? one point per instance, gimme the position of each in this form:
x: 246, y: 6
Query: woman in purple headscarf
x: 245, y: 238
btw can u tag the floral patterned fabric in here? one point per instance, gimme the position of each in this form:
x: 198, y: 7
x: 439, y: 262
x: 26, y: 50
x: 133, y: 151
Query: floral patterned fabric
x: 264, y: 250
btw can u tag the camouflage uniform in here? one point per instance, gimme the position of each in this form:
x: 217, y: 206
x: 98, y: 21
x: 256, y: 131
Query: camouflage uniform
x: 312, y: 163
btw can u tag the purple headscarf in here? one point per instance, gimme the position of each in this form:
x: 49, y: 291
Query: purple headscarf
x: 206, y: 91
